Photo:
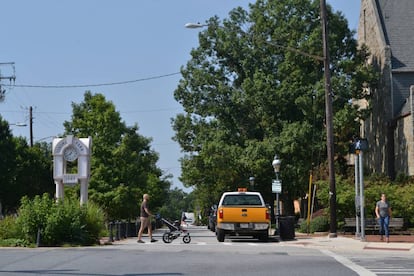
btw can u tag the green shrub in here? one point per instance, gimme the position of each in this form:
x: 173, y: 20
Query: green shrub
x: 33, y: 215
x: 318, y: 224
x: 14, y: 243
x: 9, y: 228
x: 60, y: 223
x: 94, y: 222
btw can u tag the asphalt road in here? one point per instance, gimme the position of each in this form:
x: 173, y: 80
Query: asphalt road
x: 180, y: 261
x: 203, y: 256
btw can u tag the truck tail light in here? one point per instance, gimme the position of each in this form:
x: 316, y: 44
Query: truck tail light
x: 221, y: 215
x: 267, y: 215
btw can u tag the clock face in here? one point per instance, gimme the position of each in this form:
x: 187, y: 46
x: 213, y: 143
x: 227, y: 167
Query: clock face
x: 70, y: 154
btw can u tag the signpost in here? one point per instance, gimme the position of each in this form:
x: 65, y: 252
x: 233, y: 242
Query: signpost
x: 357, y: 148
x: 277, y: 189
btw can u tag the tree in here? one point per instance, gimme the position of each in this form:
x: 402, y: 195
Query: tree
x: 24, y: 170
x: 33, y: 173
x: 7, y: 165
x: 123, y: 166
x: 176, y: 202
x: 254, y: 88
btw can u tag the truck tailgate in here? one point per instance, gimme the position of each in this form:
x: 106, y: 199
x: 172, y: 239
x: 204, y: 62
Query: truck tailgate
x: 242, y: 214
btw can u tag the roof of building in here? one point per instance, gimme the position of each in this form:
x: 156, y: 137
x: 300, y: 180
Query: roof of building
x: 397, y: 20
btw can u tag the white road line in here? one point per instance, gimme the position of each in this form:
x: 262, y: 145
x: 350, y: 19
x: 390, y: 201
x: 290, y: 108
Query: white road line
x: 348, y: 263
x: 395, y: 272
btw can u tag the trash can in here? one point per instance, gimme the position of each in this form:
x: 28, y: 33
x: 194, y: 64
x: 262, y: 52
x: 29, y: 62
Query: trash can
x: 287, y: 227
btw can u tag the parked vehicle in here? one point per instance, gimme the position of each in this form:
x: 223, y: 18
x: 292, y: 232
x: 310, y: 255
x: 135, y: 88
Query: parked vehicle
x: 187, y: 218
x: 242, y: 213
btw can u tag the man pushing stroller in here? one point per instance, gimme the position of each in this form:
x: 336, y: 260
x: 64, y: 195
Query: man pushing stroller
x: 145, y: 220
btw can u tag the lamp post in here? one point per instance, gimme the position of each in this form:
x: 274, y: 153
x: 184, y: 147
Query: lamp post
x: 277, y: 188
x: 195, y: 25
x: 251, y: 180
x: 18, y: 124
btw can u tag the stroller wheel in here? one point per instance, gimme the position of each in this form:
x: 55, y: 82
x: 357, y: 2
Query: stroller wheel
x: 187, y: 238
x: 167, y: 238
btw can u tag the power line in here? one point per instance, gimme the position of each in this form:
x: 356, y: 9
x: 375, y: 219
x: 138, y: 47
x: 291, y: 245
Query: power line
x: 93, y: 85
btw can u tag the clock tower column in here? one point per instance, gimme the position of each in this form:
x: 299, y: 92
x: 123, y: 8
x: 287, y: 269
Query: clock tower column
x: 71, y: 149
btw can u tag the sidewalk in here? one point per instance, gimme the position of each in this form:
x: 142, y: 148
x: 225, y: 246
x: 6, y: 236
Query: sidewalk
x: 350, y: 242
x: 398, y: 243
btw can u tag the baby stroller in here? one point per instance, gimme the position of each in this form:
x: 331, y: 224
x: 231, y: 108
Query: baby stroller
x: 175, y: 231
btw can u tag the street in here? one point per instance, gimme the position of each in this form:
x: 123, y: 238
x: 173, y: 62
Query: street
x: 203, y: 256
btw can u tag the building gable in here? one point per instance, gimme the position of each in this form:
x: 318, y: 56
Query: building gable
x: 397, y: 19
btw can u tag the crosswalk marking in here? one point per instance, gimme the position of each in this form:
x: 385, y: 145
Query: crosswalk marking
x: 394, y: 272
x: 348, y: 263
x: 380, y: 267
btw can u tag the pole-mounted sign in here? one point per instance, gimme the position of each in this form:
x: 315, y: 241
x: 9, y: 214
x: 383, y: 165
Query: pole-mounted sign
x: 358, y: 147
x: 276, y: 186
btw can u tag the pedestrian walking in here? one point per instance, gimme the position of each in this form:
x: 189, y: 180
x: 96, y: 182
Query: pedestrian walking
x: 145, y: 219
x: 383, y: 213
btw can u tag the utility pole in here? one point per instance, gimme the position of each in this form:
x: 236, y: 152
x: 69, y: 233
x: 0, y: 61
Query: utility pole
x: 10, y: 78
x: 31, y: 125
x: 329, y: 122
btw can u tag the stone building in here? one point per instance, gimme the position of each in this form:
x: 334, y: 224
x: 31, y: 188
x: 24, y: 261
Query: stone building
x: 387, y: 28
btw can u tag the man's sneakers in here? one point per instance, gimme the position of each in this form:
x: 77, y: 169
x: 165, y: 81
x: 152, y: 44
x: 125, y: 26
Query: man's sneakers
x: 141, y: 241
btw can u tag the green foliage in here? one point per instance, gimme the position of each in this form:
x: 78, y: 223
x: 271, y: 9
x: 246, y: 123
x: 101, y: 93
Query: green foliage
x: 318, y: 224
x: 59, y: 223
x: 7, y: 165
x: 33, y: 215
x: 123, y: 164
x: 345, y: 197
x: 9, y: 228
x: 14, y: 243
x: 24, y: 170
x: 400, y: 197
x: 176, y: 202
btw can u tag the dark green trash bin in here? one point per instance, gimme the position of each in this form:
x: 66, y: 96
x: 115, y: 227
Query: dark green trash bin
x: 287, y: 227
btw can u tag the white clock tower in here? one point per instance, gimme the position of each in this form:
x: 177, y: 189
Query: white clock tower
x: 72, y: 149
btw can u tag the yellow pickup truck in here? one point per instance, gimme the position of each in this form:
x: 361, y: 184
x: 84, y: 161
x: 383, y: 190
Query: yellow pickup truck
x: 242, y: 213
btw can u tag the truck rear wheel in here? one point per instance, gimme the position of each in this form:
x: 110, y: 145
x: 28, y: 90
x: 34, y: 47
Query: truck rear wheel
x: 264, y: 236
x: 220, y: 235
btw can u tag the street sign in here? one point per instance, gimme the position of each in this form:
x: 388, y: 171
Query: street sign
x: 276, y: 186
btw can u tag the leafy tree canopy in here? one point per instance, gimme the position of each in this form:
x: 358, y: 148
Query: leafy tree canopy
x: 24, y: 170
x: 123, y: 163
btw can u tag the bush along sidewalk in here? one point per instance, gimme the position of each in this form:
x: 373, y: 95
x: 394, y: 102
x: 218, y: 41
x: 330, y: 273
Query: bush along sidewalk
x: 44, y: 222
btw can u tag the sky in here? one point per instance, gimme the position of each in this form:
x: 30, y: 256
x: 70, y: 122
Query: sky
x: 138, y: 46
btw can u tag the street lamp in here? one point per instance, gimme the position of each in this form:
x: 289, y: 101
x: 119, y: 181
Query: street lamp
x: 18, y: 124
x: 251, y: 180
x: 195, y: 25
x: 277, y: 188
